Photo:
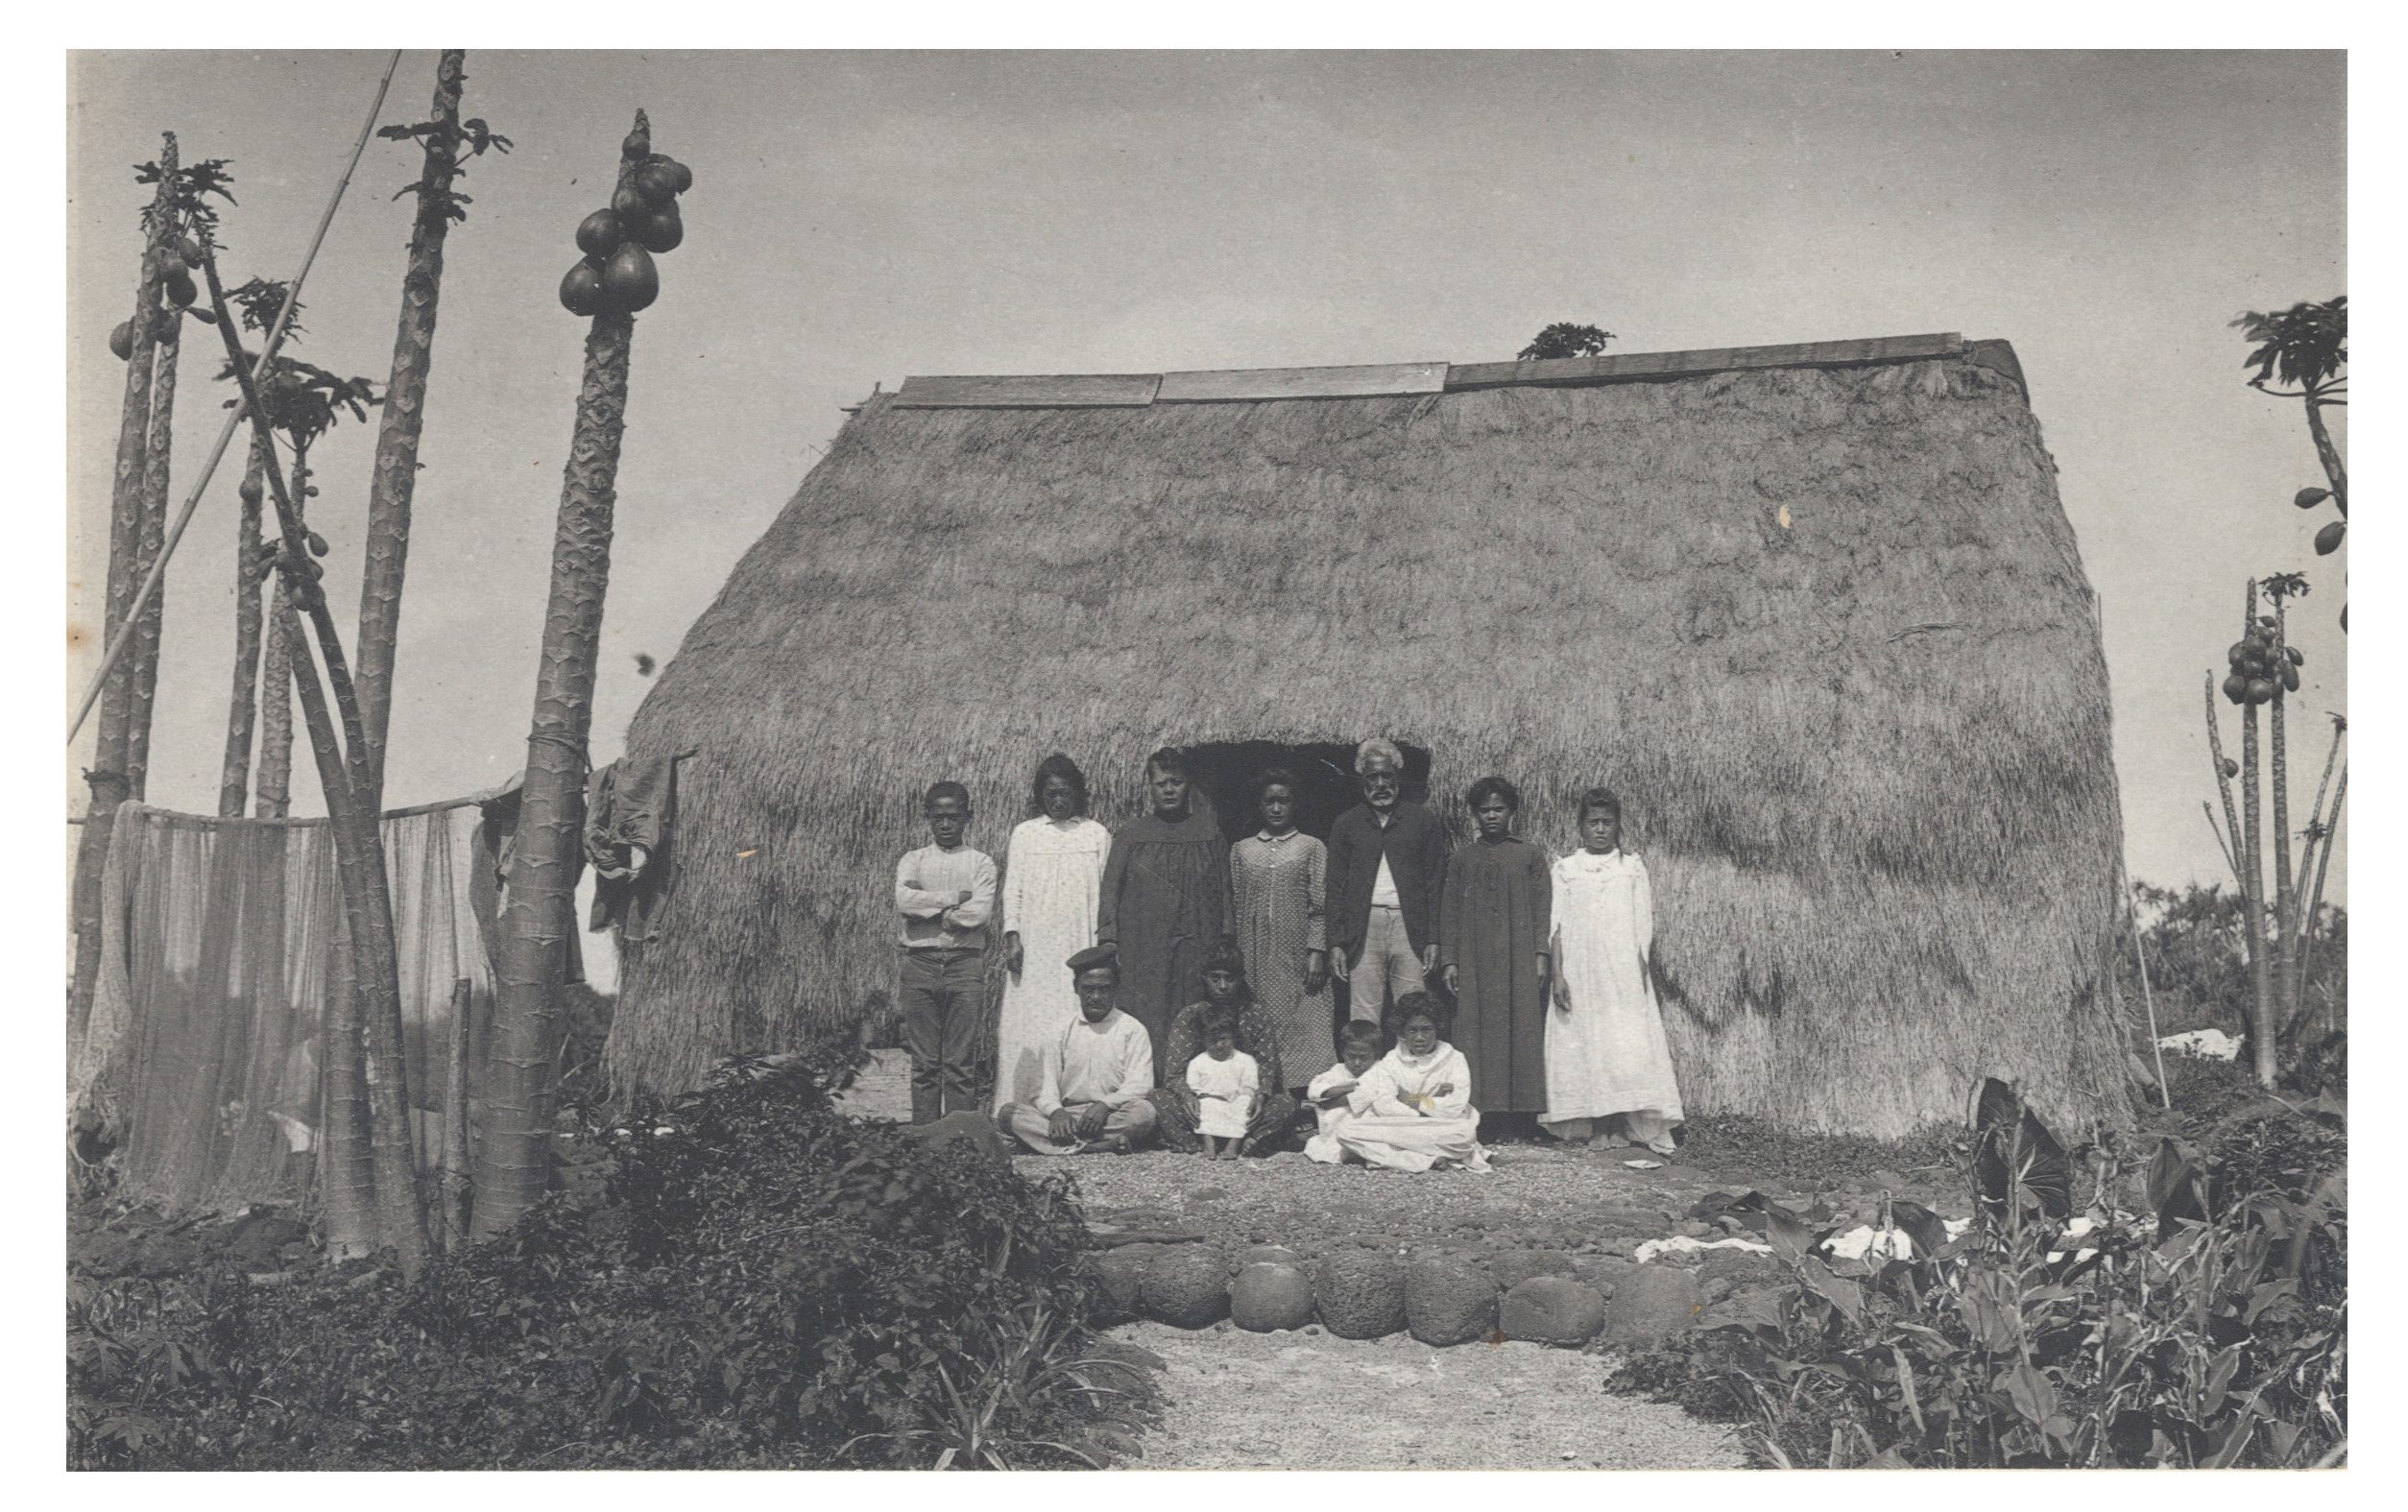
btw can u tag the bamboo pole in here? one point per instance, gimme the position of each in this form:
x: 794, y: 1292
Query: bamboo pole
x: 2148, y: 1002
x: 455, y: 1206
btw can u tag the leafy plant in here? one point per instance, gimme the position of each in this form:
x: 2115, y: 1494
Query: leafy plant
x: 2307, y: 345
x: 1564, y: 339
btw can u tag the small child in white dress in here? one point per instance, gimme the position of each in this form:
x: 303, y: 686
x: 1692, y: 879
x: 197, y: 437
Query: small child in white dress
x: 1358, y: 1051
x: 1227, y: 1084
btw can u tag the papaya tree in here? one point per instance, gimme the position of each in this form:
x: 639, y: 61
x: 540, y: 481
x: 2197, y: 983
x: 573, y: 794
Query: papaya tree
x: 369, y: 1014
x: 136, y: 342
x: 616, y: 279
x: 447, y: 143
x: 234, y: 785
x: 1564, y: 339
x: 2307, y: 346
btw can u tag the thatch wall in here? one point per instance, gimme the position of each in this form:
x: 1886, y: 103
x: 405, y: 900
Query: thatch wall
x: 1824, y: 629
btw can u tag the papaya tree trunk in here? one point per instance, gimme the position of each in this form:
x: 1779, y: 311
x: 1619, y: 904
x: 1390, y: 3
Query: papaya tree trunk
x: 2316, y: 894
x: 242, y: 704
x: 2236, y: 854
x: 142, y: 683
x: 399, y: 428
x: 2282, y: 999
x: 107, y: 778
x: 2328, y: 454
x: 371, y: 954
x: 276, y: 689
x: 512, y: 1163
x: 2253, y: 905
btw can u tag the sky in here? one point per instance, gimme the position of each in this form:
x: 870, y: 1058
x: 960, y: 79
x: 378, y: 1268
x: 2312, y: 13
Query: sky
x: 858, y: 218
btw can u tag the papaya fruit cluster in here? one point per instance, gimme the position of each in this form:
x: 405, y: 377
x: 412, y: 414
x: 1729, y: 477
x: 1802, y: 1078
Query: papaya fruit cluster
x: 174, y: 268
x: 617, y: 271
x: 2259, y: 667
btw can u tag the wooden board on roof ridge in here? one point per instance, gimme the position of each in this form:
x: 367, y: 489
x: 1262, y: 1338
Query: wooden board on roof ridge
x: 1625, y: 366
x: 1032, y: 391
x: 1301, y: 383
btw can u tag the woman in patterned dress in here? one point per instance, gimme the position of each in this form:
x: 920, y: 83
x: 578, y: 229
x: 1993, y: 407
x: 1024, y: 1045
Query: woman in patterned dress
x: 1052, y: 873
x: 1174, y: 1105
x: 1278, y: 875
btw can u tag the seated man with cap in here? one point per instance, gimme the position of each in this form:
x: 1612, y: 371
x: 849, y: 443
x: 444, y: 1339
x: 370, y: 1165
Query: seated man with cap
x: 1095, y: 1077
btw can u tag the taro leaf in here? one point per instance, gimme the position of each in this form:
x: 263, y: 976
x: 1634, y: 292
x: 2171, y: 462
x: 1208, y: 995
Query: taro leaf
x: 2033, y: 1395
x: 1712, y: 1206
x: 1846, y: 1294
x: 1906, y: 1388
x: 1925, y: 1228
x: 2174, y: 1183
x: 1749, y: 1312
x: 1790, y: 1237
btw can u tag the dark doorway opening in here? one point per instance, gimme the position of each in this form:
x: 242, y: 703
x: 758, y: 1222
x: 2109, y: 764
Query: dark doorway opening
x: 1227, y: 771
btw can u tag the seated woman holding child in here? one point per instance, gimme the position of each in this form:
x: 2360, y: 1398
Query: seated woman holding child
x: 1410, y: 1110
x: 1178, y: 1109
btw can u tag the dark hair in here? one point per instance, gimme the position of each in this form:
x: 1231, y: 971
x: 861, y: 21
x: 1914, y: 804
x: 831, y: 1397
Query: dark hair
x: 1170, y: 759
x: 1417, y: 1005
x: 1224, y: 956
x: 945, y: 789
x: 1063, y: 767
x: 1219, y: 1019
x: 1279, y: 776
x: 1488, y: 787
x: 1358, y: 1031
x: 1596, y: 798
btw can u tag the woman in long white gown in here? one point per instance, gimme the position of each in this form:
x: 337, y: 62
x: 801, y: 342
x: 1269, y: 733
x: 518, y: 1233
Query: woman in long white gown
x: 1607, y: 1055
x: 1414, y: 1108
x: 1053, y: 874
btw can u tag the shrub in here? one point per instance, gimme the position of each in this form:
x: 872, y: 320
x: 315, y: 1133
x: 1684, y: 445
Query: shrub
x: 759, y: 1282
x: 2212, y: 1332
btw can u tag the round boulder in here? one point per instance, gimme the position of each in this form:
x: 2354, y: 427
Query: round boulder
x: 1448, y: 1300
x: 1653, y: 1304
x: 1188, y: 1288
x: 1551, y: 1310
x: 1602, y: 1273
x: 1360, y: 1294
x: 1123, y: 1272
x: 1266, y: 1255
x: 1269, y: 1296
x: 1515, y: 1266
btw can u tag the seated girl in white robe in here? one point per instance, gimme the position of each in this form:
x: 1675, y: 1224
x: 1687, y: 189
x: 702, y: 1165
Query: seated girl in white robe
x: 1412, y: 1110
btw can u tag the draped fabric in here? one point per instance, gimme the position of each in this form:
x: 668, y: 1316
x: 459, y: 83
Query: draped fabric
x: 1051, y: 875
x: 204, y: 1052
x: 1491, y: 926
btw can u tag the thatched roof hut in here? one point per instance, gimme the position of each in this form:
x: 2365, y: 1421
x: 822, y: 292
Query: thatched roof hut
x: 1815, y: 611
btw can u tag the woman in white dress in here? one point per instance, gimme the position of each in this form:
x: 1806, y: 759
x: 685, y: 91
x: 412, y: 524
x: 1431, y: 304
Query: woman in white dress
x: 1607, y: 1056
x: 1052, y: 873
x: 1414, y: 1108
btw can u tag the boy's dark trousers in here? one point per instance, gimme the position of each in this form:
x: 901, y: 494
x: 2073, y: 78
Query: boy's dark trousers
x: 944, y: 994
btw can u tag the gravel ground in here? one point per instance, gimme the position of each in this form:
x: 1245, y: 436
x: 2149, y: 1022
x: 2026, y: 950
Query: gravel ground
x: 1537, y: 1196
x: 1298, y: 1401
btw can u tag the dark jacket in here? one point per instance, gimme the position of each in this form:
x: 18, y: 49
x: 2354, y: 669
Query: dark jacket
x: 1416, y: 845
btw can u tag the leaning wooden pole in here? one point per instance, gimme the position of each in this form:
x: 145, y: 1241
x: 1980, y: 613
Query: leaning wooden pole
x: 107, y: 776
x: 358, y: 847
x: 2286, y: 896
x: 512, y: 1158
x: 399, y: 428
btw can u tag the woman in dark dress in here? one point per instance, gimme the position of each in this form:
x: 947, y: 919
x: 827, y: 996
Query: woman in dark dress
x: 1165, y: 902
x: 1174, y: 1106
x: 1492, y: 951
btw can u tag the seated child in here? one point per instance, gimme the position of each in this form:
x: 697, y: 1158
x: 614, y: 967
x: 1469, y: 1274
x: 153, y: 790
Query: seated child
x: 1358, y: 1050
x: 1412, y: 1110
x: 1226, y: 1083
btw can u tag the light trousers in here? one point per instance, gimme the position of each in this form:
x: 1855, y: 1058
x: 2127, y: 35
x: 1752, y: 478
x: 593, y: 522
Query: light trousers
x: 1385, y: 969
x: 1130, y: 1123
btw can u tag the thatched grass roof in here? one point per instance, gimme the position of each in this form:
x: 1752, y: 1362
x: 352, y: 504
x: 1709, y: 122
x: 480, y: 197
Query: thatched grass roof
x: 1824, y: 629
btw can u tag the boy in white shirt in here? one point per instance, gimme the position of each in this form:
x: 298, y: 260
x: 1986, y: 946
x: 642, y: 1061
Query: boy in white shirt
x: 1327, y: 1095
x: 946, y: 894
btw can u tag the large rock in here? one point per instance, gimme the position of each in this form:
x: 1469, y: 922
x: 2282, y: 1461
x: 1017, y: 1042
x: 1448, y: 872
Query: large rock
x: 1551, y: 1310
x: 1604, y: 1273
x: 1268, y: 1296
x: 1359, y: 1295
x: 1188, y: 1288
x: 1124, y: 1275
x: 1266, y: 1255
x: 972, y: 1131
x: 1653, y: 1304
x: 1449, y: 1300
x: 1515, y: 1266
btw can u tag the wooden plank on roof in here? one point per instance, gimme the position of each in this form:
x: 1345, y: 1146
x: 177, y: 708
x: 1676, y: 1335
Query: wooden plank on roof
x: 1301, y: 383
x: 1625, y: 366
x: 1034, y: 391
